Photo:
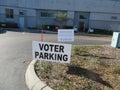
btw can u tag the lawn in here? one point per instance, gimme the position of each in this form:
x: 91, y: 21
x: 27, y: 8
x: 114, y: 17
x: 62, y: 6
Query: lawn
x: 91, y: 68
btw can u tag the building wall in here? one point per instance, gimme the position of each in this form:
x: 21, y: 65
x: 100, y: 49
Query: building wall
x: 3, y: 15
x: 73, y: 5
x: 31, y: 19
x: 2, y: 12
x: 109, y: 21
x: 108, y: 6
x: 85, y: 20
x: 76, y: 5
x: 51, y: 20
x: 29, y: 16
x: 102, y: 14
x: 105, y: 16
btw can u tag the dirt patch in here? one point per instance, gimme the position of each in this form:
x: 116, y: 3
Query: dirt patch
x: 91, y: 68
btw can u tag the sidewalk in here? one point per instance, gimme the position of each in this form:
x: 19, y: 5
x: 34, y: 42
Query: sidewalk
x: 49, y: 32
x: 28, y: 30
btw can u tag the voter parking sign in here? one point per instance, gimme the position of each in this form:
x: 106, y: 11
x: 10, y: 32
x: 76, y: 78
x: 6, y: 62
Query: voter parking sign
x: 54, y: 52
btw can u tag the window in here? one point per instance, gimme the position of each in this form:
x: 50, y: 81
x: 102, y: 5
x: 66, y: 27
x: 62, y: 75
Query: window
x: 114, y: 17
x: 47, y: 14
x: 9, y: 13
x: 82, y: 17
x: 52, y: 14
x: 61, y: 13
x: 21, y: 13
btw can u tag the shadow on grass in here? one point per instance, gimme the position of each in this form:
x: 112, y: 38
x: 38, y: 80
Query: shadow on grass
x: 96, y: 56
x: 92, y: 34
x: 86, y: 54
x: 76, y: 70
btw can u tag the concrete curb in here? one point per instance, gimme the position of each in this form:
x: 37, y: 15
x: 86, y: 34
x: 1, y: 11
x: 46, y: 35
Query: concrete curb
x: 32, y: 81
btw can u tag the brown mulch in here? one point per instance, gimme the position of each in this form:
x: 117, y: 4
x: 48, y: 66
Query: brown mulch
x: 91, y: 68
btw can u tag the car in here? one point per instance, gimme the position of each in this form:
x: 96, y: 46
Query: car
x: 75, y: 29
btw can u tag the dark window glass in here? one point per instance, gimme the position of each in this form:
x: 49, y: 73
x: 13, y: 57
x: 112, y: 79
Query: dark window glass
x: 114, y: 17
x: 82, y: 17
x: 47, y: 14
x: 9, y: 13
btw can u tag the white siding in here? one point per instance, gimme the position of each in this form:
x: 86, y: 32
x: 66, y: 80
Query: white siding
x: 104, y: 16
x: 101, y: 11
x: 73, y: 5
x: 31, y: 12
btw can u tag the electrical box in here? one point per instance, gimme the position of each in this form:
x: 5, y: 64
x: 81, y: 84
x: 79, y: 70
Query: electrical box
x: 116, y: 40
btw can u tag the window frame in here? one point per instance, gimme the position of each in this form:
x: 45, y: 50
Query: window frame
x: 9, y: 13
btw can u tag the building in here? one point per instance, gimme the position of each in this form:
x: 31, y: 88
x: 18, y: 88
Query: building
x: 97, y: 14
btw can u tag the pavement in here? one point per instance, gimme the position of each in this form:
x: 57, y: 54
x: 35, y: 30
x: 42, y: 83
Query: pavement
x: 32, y: 80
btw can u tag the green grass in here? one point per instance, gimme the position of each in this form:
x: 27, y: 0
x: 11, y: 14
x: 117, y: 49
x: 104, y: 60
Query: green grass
x: 116, y: 70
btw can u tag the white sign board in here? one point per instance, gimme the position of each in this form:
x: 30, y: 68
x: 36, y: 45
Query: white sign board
x: 54, y: 52
x: 66, y: 35
x: 115, y: 39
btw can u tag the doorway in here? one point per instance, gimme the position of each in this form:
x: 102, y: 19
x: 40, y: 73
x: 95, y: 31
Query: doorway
x: 21, y: 22
x: 81, y: 26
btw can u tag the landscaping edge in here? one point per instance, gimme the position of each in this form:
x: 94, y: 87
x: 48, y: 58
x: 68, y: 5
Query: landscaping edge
x: 32, y: 80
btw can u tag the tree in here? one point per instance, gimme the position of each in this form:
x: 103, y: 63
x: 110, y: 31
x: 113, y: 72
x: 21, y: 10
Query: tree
x: 61, y: 17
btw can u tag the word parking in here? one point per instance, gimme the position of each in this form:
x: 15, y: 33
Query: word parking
x: 53, y: 52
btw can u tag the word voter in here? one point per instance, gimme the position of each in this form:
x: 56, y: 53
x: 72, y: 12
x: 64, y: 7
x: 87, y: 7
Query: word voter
x: 53, y: 52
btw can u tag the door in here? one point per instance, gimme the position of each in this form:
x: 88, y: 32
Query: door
x: 21, y: 22
x: 81, y: 26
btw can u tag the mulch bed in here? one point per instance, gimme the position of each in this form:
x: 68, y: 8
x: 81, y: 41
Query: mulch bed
x: 91, y: 68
